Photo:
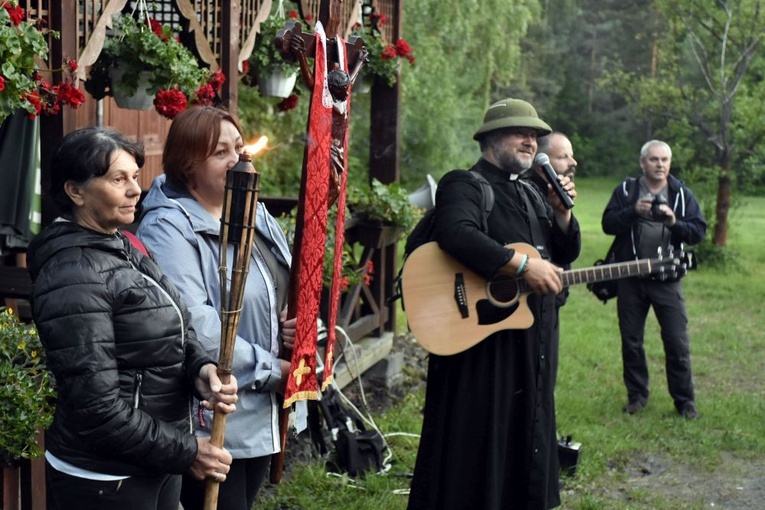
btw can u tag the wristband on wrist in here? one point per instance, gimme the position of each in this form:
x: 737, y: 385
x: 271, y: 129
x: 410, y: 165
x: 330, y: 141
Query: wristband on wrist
x: 522, y: 267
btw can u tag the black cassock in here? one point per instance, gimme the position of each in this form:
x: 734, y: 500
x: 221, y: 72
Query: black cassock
x: 489, y: 437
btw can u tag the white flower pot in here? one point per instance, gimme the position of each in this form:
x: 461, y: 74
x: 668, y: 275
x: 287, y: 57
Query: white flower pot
x: 141, y: 100
x: 277, y: 84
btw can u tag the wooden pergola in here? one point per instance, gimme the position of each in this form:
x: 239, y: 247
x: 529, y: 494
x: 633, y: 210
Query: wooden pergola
x: 221, y: 33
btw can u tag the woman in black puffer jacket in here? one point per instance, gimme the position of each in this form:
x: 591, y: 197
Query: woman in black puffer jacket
x: 118, y: 341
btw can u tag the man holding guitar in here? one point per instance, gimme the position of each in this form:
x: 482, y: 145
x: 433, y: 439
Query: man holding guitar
x: 654, y: 211
x: 489, y: 437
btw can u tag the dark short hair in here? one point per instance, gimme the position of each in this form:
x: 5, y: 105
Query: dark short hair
x: 84, y: 154
x: 543, y: 142
x: 192, y: 138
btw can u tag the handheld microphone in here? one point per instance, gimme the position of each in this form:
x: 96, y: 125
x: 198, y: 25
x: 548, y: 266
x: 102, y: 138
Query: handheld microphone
x: 543, y: 160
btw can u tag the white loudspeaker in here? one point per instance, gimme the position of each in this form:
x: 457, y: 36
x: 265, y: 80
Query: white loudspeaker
x: 424, y: 197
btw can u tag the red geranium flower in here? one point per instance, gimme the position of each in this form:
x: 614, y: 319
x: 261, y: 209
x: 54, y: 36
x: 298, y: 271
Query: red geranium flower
x: 217, y: 79
x: 34, y: 100
x: 292, y: 15
x: 378, y: 20
x: 288, y: 103
x: 170, y: 103
x: 2, y: 83
x: 157, y: 28
x: 69, y: 95
x: 402, y: 48
x: 16, y: 13
x: 389, y: 52
x: 205, y: 95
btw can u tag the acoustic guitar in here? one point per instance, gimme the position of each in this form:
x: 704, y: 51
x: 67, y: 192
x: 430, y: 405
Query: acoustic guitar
x: 450, y: 308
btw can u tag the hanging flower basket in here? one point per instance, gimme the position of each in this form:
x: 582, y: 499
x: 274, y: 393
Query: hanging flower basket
x: 23, y: 84
x: 142, y: 99
x: 277, y: 84
x: 141, y: 53
x: 266, y: 67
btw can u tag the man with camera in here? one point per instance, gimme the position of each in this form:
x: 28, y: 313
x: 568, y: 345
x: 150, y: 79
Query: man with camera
x: 652, y: 216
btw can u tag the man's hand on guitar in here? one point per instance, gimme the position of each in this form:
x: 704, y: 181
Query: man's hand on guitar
x: 543, y: 276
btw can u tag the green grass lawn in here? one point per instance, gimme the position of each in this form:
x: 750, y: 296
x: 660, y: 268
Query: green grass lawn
x: 653, y: 460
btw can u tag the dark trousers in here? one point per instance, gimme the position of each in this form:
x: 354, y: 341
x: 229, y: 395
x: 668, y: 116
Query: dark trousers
x: 236, y: 493
x: 635, y: 296
x: 137, y: 492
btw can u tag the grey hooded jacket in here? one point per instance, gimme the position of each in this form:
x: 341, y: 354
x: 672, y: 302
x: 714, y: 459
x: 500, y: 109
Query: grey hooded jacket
x: 184, y: 239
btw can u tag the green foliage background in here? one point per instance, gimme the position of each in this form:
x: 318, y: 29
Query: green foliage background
x: 609, y: 74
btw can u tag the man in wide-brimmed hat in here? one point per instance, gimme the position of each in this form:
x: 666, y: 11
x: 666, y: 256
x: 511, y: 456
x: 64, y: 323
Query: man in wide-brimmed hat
x: 488, y: 435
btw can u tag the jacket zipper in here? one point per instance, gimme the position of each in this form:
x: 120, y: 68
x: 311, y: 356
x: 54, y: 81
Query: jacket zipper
x: 137, y: 382
x: 183, y: 331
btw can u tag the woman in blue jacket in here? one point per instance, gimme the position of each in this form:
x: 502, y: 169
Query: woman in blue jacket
x: 181, y: 223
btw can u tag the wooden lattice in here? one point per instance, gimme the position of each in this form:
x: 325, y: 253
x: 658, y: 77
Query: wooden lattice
x: 349, y: 13
x: 388, y: 30
x: 197, y: 22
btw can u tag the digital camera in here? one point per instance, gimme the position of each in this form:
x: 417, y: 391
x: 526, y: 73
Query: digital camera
x: 656, y: 212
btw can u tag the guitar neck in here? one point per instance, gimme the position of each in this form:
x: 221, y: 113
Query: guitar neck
x: 608, y: 272
x: 602, y: 273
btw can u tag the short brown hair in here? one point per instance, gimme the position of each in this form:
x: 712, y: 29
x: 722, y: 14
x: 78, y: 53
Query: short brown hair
x: 192, y: 138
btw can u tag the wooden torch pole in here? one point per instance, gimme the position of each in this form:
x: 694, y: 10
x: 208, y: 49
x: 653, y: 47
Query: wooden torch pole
x: 237, y: 228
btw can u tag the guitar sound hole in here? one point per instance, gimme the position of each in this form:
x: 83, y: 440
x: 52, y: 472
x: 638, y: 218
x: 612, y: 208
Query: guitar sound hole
x: 503, y: 290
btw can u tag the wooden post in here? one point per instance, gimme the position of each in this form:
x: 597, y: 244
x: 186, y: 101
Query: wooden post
x: 229, y: 57
x: 63, y: 16
x: 384, y: 142
x: 11, y: 489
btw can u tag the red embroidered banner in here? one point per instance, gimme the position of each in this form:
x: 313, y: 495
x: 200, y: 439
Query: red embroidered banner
x: 334, y: 296
x: 302, y: 383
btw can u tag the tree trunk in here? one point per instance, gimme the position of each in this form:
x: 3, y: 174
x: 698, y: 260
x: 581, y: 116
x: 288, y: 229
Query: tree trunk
x: 722, y: 208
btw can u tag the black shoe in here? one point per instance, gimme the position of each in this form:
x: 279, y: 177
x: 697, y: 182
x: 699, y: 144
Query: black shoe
x: 635, y: 406
x: 689, y: 411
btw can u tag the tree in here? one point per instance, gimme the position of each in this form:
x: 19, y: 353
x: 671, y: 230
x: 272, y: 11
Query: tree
x: 468, y: 53
x: 703, y: 79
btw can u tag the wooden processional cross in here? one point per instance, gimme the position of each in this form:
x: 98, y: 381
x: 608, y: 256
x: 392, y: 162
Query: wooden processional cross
x: 323, y: 183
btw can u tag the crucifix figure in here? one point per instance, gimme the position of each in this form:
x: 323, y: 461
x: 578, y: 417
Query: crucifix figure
x: 296, y: 46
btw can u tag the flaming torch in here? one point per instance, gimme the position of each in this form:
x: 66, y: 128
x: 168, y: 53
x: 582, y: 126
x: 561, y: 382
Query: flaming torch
x: 237, y: 229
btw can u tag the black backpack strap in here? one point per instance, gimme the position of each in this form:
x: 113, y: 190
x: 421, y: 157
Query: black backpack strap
x: 631, y: 187
x: 488, y: 198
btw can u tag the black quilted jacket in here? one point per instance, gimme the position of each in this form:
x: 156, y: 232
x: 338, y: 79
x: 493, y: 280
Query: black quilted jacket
x: 117, y: 339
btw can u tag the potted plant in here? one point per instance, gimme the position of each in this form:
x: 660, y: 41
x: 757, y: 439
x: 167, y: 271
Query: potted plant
x: 26, y: 390
x: 380, y: 214
x: 22, y: 87
x: 275, y: 76
x: 142, y: 64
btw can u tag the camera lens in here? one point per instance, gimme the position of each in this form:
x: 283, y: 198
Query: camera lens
x: 656, y: 211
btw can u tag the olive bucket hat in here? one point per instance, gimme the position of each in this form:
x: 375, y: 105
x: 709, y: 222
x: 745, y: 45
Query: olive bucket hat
x: 511, y: 113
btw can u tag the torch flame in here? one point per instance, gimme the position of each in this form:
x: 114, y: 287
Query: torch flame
x: 257, y: 146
